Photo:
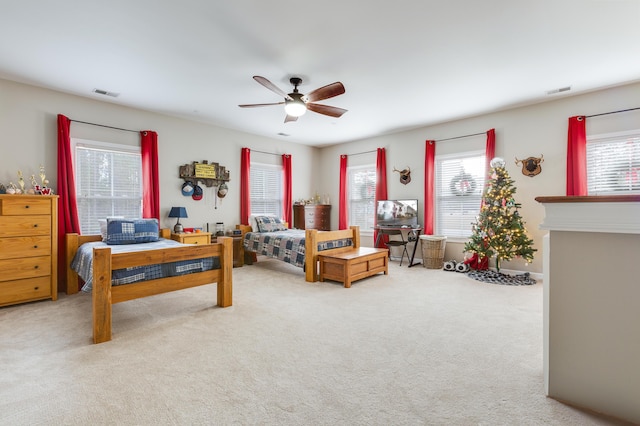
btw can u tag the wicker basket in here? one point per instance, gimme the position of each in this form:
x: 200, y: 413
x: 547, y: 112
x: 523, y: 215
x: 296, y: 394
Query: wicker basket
x: 433, y: 251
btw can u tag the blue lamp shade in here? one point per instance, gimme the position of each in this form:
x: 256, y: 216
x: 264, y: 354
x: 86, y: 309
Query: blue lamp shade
x: 178, y: 212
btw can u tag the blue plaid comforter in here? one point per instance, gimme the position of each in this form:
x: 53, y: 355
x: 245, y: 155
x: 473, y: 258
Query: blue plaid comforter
x: 82, y: 263
x: 287, y: 246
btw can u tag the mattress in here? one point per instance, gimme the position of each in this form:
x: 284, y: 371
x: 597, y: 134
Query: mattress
x: 288, y: 245
x: 82, y: 263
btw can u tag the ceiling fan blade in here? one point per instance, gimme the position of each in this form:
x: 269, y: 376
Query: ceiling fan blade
x: 259, y: 105
x: 326, y: 92
x: 289, y: 118
x: 269, y: 85
x: 326, y: 109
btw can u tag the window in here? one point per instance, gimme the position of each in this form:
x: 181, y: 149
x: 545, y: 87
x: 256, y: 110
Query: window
x: 108, y: 182
x: 362, y: 193
x: 613, y: 164
x: 266, y: 189
x: 459, y: 186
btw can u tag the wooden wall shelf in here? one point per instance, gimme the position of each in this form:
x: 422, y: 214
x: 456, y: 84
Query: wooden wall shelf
x: 210, y: 174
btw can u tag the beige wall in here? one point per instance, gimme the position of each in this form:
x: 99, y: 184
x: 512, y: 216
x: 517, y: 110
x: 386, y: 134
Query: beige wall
x: 28, y: 117
x: 520, y: 132
x: 593, y: 347
x: 28, y: 124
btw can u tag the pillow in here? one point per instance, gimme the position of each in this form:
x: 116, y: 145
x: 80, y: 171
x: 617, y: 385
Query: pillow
x: 254, y: 224
x: 270, y: 224
x: 103, y: 225
x: 132, y: 231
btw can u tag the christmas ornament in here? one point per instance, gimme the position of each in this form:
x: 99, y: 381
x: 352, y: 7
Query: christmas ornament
x: 497, y: 162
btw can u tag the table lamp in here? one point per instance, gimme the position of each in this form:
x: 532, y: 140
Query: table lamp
x: 178, y: 212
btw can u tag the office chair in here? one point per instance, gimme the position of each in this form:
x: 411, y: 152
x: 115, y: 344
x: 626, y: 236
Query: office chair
x: 398, y: 243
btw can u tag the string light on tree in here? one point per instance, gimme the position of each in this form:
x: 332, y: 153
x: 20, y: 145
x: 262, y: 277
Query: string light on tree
x: 499, y: 230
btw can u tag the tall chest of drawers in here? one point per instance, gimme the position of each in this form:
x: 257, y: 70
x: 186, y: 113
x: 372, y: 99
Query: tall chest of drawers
x: 28, y: 248
x: 312, y: 216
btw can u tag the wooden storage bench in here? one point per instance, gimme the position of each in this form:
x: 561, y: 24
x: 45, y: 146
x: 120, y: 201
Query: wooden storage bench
x: 349, y: 266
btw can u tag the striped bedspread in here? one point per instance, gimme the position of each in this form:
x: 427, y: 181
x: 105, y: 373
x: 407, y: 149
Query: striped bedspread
x: 287, y: 246
x: 82, y: 263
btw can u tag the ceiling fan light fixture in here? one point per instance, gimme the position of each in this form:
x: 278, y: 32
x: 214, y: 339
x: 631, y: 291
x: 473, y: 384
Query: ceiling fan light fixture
x: 295, y: 108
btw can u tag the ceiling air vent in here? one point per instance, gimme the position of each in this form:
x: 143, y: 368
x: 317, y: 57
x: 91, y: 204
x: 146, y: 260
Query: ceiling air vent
x: 560, y: 90
x: 106, y: 93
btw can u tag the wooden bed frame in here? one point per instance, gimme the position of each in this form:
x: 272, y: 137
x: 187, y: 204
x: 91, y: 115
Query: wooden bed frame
x: 311, y: 240
x: 104, y: 295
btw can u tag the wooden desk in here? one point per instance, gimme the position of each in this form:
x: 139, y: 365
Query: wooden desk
x: 413, y: 235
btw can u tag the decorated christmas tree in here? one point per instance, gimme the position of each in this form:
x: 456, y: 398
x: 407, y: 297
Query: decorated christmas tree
x: 499, y: 229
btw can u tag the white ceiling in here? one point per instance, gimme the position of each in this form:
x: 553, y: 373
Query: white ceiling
x: 404, y: 63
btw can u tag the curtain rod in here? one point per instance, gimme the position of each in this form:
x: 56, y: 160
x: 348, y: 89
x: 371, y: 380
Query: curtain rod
x: 102, y: 125
x: 611, y: 112
x: 264, y: 152
x: 359, y: 153
x: 460, y: 137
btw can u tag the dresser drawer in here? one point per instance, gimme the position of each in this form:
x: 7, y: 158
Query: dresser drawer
x: 196, y: 238
x: 322, y: 214
x: 26, y: 267
x: 17, y: 291
x: 16, y: 226
x: 17, y: 247
x: 22, y: 206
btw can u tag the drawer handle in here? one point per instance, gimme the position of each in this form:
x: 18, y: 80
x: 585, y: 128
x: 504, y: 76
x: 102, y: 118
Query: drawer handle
x: 26, y: 207
x: 35, y: 225
x: 36, y: 288
x: 35, y: 247
x: 36, y: 267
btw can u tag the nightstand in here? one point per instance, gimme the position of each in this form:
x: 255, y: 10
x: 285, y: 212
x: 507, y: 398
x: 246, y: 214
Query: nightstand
x: 238, y: 260
x: 194, y: 238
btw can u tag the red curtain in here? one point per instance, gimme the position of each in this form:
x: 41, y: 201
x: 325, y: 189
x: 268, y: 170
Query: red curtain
x: 286, y: 196
x: 67, y: 207
x: 245, y: 179
x: 429, y: 187
x: 381, y: 188
x: 490, y: 150
x: 150, y: 175
x: 577, y: 156
x: 343, y: 202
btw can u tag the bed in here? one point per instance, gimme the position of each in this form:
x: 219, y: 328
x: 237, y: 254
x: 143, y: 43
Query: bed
x: 109, y: 261
x: 297, y: 247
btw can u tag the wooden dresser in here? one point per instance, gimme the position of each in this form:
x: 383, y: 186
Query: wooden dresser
x: 312, y: 216
x: 28, y: 248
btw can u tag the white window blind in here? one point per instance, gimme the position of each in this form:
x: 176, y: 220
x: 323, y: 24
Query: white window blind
x: 108, y: 183
x: 459, y: 184
x: 266, y: 189
x: 613, y: 164
x: 362, y: 192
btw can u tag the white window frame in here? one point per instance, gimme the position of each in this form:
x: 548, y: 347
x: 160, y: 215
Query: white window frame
x: 368, y: 202
x: 469, y: 205
x: 613, y: 159
x: 87, y: 214
x: 269, y: 200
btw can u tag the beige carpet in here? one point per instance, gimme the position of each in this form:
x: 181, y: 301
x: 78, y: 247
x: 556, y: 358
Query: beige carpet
x: 416, y: 347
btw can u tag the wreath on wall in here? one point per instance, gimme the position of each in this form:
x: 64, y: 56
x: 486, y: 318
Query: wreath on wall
x: 462, y: 184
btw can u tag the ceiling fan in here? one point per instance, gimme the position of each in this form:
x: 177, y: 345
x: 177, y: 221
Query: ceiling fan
x: 296, y: 103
